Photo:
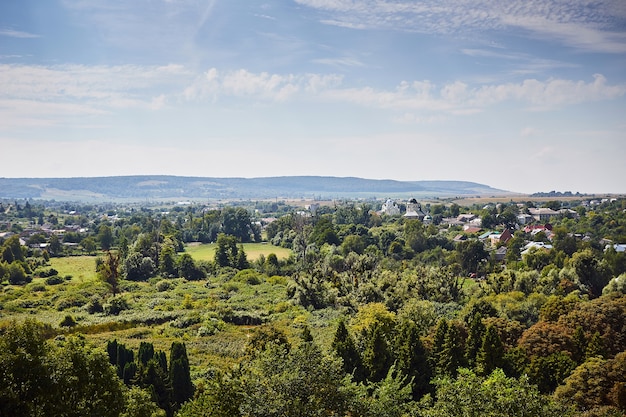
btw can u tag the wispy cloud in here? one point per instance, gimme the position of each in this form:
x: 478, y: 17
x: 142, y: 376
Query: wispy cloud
x: 52, y: 92
x: 593, y: 26
x: 17, y: 34
x: 455, y: 97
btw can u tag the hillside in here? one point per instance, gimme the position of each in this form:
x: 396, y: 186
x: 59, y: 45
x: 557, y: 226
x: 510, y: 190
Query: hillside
x: 157, y: 187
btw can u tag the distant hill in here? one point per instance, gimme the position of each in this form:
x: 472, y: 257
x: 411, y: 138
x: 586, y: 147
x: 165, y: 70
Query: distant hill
x: 163, y: 187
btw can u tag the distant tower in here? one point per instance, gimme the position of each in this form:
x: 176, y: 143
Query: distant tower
x: 414, y: 210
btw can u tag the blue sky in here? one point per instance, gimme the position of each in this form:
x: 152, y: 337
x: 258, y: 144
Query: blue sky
x: 522, y: 95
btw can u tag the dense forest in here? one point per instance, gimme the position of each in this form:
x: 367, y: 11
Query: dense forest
x: 495, y: 309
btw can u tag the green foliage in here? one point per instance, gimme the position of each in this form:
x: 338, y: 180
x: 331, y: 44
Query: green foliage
x: 470, y: 395
x: 180, y: 377
x: 40, y: 379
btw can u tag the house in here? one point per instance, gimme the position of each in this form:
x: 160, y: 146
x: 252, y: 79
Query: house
x: 496, y: 238
x: 525, y: 218
x: 543, y: 214
x: 619, y: 247
x: 538, y: 245
x: 466, y: 217
x: 500, y: 253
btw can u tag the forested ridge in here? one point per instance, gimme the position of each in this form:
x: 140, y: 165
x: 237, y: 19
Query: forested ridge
x: 333, y: 310
x: 161, y: 187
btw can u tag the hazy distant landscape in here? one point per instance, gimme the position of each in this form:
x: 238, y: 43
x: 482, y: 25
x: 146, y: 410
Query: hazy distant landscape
x: 163, y: 187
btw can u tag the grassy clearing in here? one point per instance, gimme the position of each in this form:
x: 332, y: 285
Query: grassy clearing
x: 81, y: 268
x: 206, y: 252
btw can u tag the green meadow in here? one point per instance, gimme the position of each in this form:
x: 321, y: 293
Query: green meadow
x: 206, y: 252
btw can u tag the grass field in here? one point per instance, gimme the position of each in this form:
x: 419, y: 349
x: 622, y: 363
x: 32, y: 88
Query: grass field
x: 206, y: 252
x: 81, y: 268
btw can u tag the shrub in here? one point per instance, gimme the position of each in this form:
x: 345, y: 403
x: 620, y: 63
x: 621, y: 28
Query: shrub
x: 248, y: 276
x: 277, y: 280
x: 36, y: 287
x: 184, y: 322
x: 54, y: 280
x: 48, y: 273
x: 68, y: 321
x: 72, y: 300
x: 94, y: 305
x: 115, y: 306
x: 163, y: 285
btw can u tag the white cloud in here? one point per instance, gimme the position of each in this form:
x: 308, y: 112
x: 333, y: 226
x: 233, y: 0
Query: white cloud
x: 53, y: 92
x: 595, y: 26
x: 17, y: 34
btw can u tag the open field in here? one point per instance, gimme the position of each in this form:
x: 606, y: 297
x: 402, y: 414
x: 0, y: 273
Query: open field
x: 206, y: 252
x: 80, y: 268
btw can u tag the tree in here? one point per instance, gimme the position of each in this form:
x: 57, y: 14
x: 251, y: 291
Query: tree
x: 491, y: 353
x: 241, y: 261
x: 475, y: 338
x: 139, y: 404
x: 105, y: 236
x: 411, y: 358
x: 226, y: 250
x: 470, y: 254
x: 221, y: 398
x: 451, y: 357
x: 70, y: 379
x: 88, y: 244
x: 470, y: 395
x: 17, y: 274
x: 180, y: 376
x: 108, y: 271
x: 377, y: 357
x: 167, y: 261
x: 298, y: 382
x: 11, y: 250
x: 591, y: 272
x: 187, y: 268
x: 344, y: 347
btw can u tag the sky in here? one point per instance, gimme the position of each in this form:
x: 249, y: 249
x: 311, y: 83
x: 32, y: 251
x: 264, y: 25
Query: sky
x: 521, y: 95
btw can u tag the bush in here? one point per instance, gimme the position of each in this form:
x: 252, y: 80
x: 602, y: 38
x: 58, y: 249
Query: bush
x: 54, y: 280
x: 68, y: 321
x: 248, y: 276
x: 163, y: 285
x: 184, y: 322
x: 94, y: 305
x: 48, y: 273
x: 72, y: 300
x: 277, y: 280
x: 115, y: 306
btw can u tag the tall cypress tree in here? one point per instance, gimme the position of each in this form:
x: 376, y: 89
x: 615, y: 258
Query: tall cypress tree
x: 474, y: 341
x: 344, y: 346
x: 451, y: 356
x: 377, y: 356
x: 411, y: 359
x: 146, y: 352
x: 491, y: 352
x: 180, y: 376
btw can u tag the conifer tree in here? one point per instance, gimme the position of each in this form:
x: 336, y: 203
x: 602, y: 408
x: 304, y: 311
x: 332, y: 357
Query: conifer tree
x: 377, y: 356
x: 474, y: 340
x: 438, y: 341
x: 306, y: 335
x: 180, y: 376
x: 344, y: 347
x: 146, y: 352
x: 451, y: 355
x: 411, y: 359
x: 491, y: 352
